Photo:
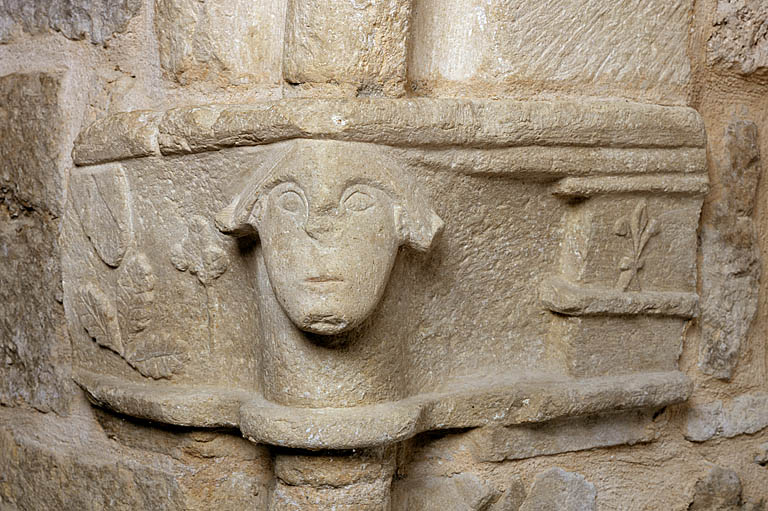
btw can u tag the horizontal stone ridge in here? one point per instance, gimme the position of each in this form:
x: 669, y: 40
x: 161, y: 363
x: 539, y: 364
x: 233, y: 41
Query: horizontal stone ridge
x: 485, y: 124
x: 494, y: 401
x: 588, y: 186
x: 558, y: 295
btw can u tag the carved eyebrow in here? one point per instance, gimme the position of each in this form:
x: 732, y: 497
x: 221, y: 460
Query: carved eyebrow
x: 357, y: 184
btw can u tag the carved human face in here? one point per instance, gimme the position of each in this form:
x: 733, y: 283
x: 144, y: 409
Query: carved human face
x: 329, y: 237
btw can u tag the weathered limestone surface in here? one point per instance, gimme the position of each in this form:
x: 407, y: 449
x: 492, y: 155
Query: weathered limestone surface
x: 383, y: 254
x: 493, y: 443
x: 557, y: 489
x: 720, y: 490
x: 731, y: 265
x: 224, y: 41
x: 34, y: 361
x: 460, y: 491
x: 318, y: 482
x: 508, y: 47
x: 739, y: 41
x: 747, y: 413
x: 118, y: 464
x: 76, y: 19
x: 365, y: 52
x: 480, y: 124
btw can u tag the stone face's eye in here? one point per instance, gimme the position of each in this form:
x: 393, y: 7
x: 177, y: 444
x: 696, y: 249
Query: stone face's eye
x: 291, y: 202
x: 359, y: 201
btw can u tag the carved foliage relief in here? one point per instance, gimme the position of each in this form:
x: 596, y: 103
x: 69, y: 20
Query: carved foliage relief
x: 637, y: 228
x: 118, y: 311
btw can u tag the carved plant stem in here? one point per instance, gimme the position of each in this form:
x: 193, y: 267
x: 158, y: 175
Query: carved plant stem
x: 211, y: 307
x: 200, y: 254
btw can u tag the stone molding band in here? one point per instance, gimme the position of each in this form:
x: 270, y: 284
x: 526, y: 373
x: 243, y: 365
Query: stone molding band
x: 563, y: 297
x: 582, y: 187
x: 492, y: 402
x: 419, y: 123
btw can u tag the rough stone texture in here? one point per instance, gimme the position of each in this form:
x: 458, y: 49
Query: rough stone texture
x: 123, y: 135
x: 558, y: 162
x: 719, y: 490
x: 67, y: 478
x: 131, y: 467
x: 224, y: 41
x: 747, y: 413
x: 34, y: 363
x: 493, y: 443
x: 97, y: 20
x: 482, y: 47
x: 461, y: 491
x: 761, y: 458
x: 558, y: 490
x: 731, y: 255
x: 367, y: 51
x: 539, y: 129
x: 739, y: 40
x: 102, y: 204
x: 323, y: 481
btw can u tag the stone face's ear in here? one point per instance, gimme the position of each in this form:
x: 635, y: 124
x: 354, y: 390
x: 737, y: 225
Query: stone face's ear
x: 241, y: 217
x: 417, y: 223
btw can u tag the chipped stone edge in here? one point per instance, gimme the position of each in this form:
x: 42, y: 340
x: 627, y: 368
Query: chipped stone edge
x: 491, y: 402
x: 118, y: 137
x: 563, y: 297
x: 417, y: 122
x: 196, y: 406
x: 572, y: 434
x: 669, y: 184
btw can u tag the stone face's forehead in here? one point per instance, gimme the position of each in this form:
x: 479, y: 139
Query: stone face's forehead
x: 328, y: 167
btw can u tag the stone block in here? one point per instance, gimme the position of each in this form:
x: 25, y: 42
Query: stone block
x: 326, y: 481
x: 739, y: 39
x: 719, y: 490
x: 96, y: 20
x: 482, y: 47
x: 597, y: 346
x: 53, y: 463
x: 45, y: 476
x: 558, y: 490
x: 632, y: 243
x: 731, y: 255
x: 366, y: 50
x: 34, y: 360
x: 460, y: 492
x: 747, y: 413
x: 495, y: 444
x: 237, y: 42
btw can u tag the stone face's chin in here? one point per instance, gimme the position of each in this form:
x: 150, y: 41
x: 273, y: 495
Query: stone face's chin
x: 325, y: 324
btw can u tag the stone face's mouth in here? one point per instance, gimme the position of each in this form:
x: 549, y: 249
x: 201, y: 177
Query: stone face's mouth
x: 323, y: 279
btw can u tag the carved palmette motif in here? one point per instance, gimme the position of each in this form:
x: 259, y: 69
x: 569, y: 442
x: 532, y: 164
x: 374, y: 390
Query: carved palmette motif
x: 638, y: 229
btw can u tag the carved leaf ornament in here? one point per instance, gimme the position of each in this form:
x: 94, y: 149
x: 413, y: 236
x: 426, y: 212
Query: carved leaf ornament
x: 199, y: 254
x: 99, y: 318
x: 157, y: 357
x: 120, y: 324
x: 639, y: 229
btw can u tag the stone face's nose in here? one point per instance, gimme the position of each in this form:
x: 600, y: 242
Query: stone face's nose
x: 318, y: 225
